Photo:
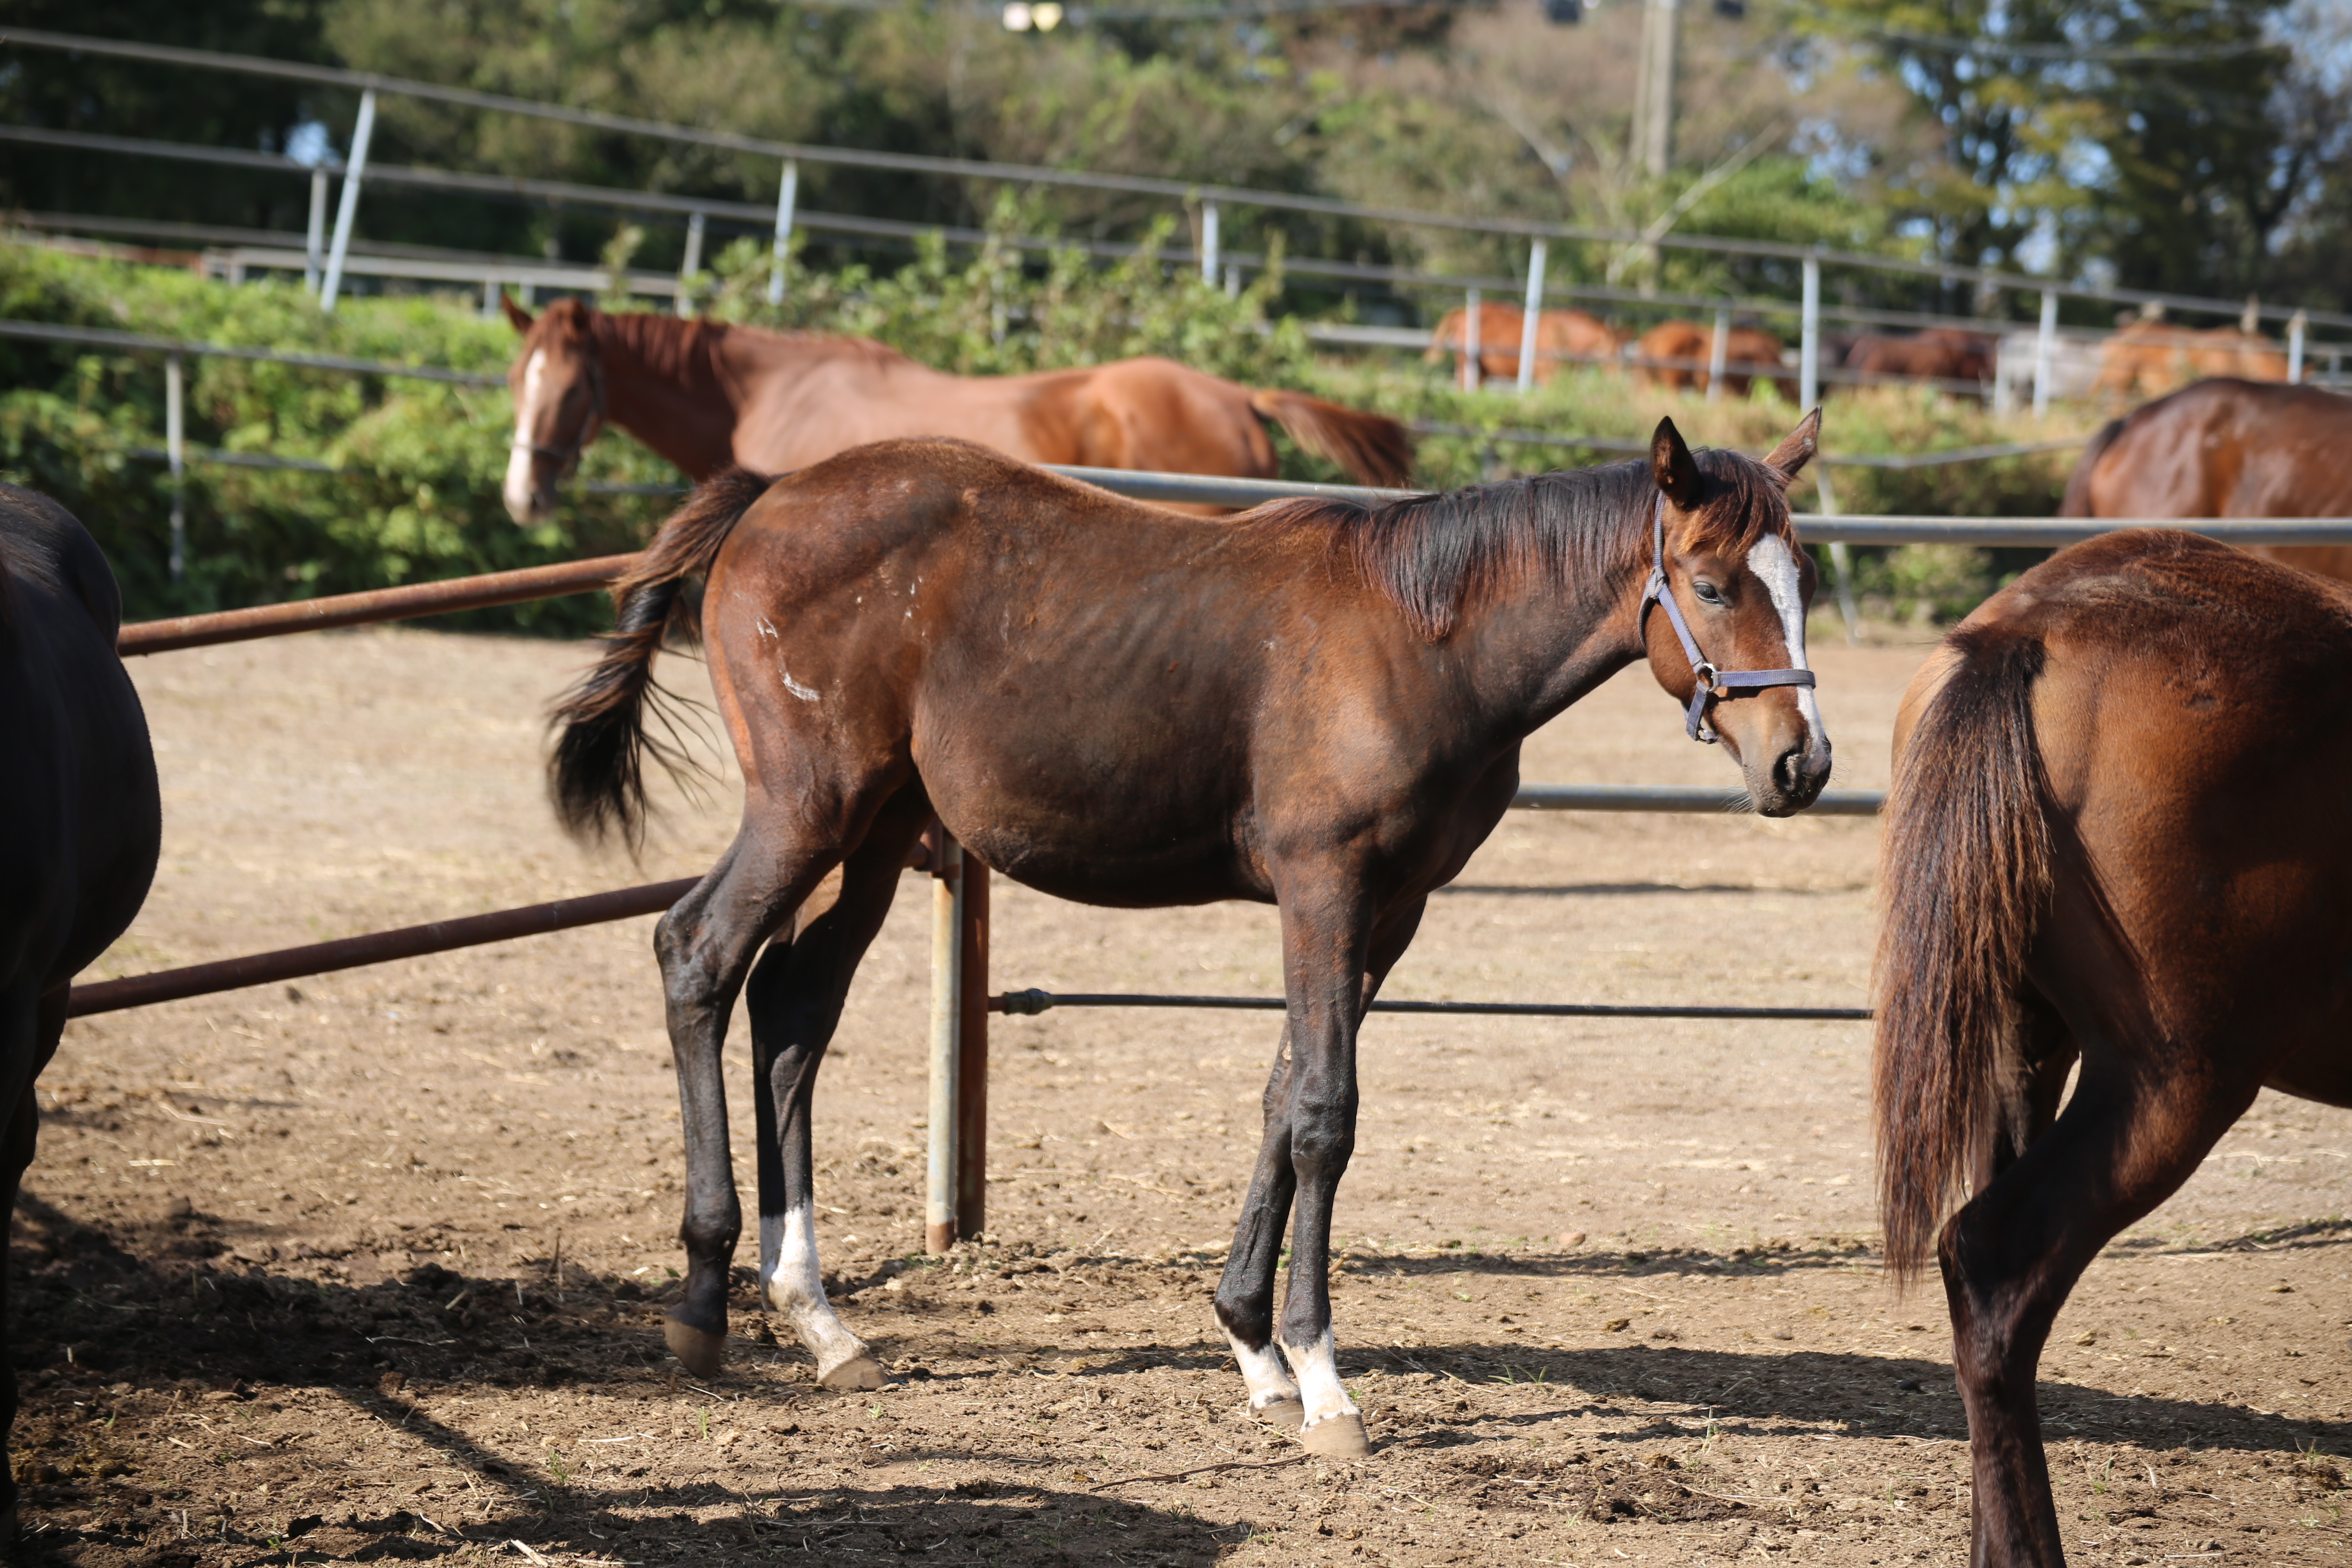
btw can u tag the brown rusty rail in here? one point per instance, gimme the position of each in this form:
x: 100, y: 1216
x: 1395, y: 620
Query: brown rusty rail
x: 440, y: 598
x: 376, y: 947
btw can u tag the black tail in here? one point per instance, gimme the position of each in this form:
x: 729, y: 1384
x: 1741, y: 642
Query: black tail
x: 2078, y: 483
x: 1964, y: 865
x: 597, y: 774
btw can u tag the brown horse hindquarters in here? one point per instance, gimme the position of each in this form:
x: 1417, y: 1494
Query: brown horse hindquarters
x: 2116, y: 834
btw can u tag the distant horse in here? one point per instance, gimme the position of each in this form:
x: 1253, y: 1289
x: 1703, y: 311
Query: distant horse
x: 2116, y: 835
x: 2226, y: 449
x: 1678, y: 354
x: 1939, y: 353
x: 79, y: 798
x: 2151, y: 356
x: 1562, y: 337
x: 707, y: 395
x: 1317, y: 705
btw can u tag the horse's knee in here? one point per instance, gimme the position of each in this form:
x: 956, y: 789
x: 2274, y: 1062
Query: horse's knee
x: 1322, y: 1132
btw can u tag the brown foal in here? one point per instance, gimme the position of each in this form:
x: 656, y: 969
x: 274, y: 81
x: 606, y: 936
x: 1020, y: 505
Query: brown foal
x: 707, y: 395
x: 1316, y: 705
x: 2116, y: 837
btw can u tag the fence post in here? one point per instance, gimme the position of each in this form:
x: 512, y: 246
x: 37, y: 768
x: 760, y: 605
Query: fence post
x: 1233, y: 281
x: 1718, y: 350
x: 314, y: 243
x: 2295, y: 326
x: 1531, y: 317
x: 788, y: 194
x: 176, y: 455
x: 1841, y: 557
x: 971, y: 1063
x: 946, y: 1053
x: 2046, y: 343
x: 1474, y: 374
x: 348, y: 211
x: 1809, y: 351
x: 1209, y: 246
x: 690, y: 264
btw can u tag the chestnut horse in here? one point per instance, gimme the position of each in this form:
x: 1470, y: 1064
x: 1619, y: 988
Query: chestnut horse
x: 1561, y: 337
x: 1317, y: 705
x: 707, y: 395
x: 2116, y: 837
x: 1677, y: 355
x: 85, y: 819
x: 2226, y: 449
x: 2150, y: 356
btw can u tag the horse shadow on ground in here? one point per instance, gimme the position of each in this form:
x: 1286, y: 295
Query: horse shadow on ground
x: 101, y: 1323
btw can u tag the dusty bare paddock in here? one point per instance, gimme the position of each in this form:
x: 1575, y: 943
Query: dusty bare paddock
x: 367, y: 1267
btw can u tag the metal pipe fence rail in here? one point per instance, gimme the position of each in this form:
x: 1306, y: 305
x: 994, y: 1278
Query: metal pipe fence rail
x: 788, y: 155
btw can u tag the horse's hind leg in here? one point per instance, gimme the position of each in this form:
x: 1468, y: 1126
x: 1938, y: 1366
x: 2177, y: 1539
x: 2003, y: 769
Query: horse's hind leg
x: 794, y: 997
x: 29, y: 1028
x: 706, y: 944
x: 2129, y: 1137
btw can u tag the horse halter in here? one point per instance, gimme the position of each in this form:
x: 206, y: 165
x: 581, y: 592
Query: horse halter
x: 1711, y: 683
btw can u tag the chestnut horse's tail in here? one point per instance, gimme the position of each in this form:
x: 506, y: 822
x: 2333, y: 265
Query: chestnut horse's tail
x: 1965, y: 870
x: 2077, y: 502
x: 1375, y: 449
x: 597, y: 776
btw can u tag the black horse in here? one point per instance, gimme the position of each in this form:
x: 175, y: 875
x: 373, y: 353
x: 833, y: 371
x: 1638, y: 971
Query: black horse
x: 78, y: 797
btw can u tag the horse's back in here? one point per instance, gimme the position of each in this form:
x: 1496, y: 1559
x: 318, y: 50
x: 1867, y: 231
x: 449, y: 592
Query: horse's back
x: 78, y: 788
x: 2227, y: 447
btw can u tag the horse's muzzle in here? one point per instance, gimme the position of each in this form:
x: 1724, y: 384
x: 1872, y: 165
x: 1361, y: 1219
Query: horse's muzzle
x: 1794, y: 781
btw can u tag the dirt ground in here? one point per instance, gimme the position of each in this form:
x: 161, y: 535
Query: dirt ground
x: 369, y: 1267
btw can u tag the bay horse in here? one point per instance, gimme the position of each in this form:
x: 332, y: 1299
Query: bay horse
x: 1677, y: 355
x: 1561, y: 337
x: 2226, y: 448
x: 707, y: 395
x: 84, y: 815
x: 1937, y: 353
x: 1317, y: 705
x: 2116, y: 838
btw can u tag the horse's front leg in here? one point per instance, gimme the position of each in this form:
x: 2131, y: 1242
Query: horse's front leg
x: 1246, y: 1294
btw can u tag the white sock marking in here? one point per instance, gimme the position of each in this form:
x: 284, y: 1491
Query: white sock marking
x: 1262, y: 1370
x: 791, y: 1282
x: 1319, y: 1388
x: 1776, y: 568
x: 518, y: 456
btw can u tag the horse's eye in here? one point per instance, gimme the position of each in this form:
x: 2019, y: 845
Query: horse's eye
x: 1707, y: 593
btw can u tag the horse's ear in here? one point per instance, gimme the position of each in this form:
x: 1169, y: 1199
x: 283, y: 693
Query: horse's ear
x: 1672, y: 465
x: 517, y: 316
x: 1788, y: 459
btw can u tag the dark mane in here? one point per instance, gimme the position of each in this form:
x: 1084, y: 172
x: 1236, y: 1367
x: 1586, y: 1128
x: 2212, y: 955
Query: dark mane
x: 1433, y: 555
x: 685, y: 350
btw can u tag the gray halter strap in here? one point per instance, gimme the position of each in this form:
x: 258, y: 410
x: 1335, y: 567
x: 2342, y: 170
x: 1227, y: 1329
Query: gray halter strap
x: 1710, y: 683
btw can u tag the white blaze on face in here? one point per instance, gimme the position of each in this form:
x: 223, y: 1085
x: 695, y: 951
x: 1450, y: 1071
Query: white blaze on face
x: 518, y: 456
x: 1776, y: 568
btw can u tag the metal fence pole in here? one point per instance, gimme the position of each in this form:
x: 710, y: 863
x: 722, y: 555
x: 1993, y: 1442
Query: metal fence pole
x: 1841, y: 556
x: 1209, y: 237
x: 314, y: 243
x: 947, y: 1055
x: 1809, y: 351
x: 1474, y: 374
x: 348, y: 211
x: 175, y: 454
x: 2296, y: 326
x: 972, y: 1059
x: 1233, y: 281
x: 1531, y: 317
x: 2045, y: 344
x: 788, y: 193
x: 1718, y: 350
x: 690, y: 264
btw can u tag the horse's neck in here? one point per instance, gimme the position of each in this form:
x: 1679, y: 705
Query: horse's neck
x: 1535, y: 648
x: 664, y: 385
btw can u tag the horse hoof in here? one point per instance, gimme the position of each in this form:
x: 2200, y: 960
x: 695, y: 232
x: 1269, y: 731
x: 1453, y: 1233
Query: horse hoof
x: 699, y: 1351
x: 860, y: 1374
x: 1337, y: 1437
x: 1287, y: 1414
